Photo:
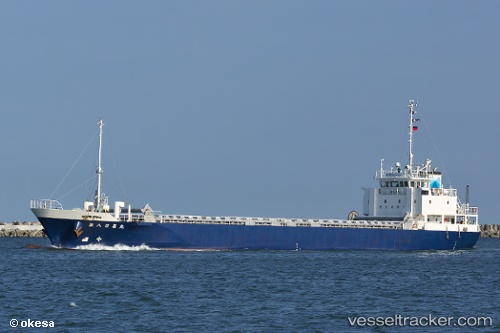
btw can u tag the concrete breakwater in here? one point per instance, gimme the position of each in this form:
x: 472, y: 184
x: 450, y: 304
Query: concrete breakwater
x: 21, y: 229
x: 35, y: 229
x: 490, y: 230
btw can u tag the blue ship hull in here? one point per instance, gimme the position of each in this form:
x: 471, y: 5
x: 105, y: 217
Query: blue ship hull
x: 236, y: 237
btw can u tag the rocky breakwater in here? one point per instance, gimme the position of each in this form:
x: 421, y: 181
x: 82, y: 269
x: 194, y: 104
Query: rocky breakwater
x: 21, y: 229
x: 490, y: 230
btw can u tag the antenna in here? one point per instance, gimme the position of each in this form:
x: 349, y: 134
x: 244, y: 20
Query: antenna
x: 411, y: 106
x: 98, y: 200
x: 467, y: 195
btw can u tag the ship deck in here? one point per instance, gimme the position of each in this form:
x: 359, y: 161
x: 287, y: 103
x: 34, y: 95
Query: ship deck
x: 265, y: 221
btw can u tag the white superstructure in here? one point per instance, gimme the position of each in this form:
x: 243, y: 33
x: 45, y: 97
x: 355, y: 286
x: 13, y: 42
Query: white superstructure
x: 415, y: 195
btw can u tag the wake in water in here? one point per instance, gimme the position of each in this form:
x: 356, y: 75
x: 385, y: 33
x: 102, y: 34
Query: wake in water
x: 143, y: 247
x: 116, y: 247
x: 445, y: 253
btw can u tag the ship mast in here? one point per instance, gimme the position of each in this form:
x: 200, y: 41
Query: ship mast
x: 411, y: 106
x: 98, y: 200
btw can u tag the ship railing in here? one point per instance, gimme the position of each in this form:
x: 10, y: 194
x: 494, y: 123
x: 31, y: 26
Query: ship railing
x: 449, y: 192
x: 361, y: 224
x: 473, y: 210
x: 124, y: 217
x: 391, y: 174
x: 415, y: 174
x: 265, y: 221
x: 466, y: 209
x: 45, y: 204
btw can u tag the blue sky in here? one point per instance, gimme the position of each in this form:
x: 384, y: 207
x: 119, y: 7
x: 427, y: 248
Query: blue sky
x: 254, y: 108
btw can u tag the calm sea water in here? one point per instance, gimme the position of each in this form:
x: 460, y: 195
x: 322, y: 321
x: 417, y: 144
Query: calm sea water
x: 144, y: 290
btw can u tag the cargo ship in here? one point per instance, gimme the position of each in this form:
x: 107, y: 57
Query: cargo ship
x: 409, y: 210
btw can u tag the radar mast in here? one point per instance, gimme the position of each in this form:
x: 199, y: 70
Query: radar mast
x: 98, y: 200
x: 411, y: 106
